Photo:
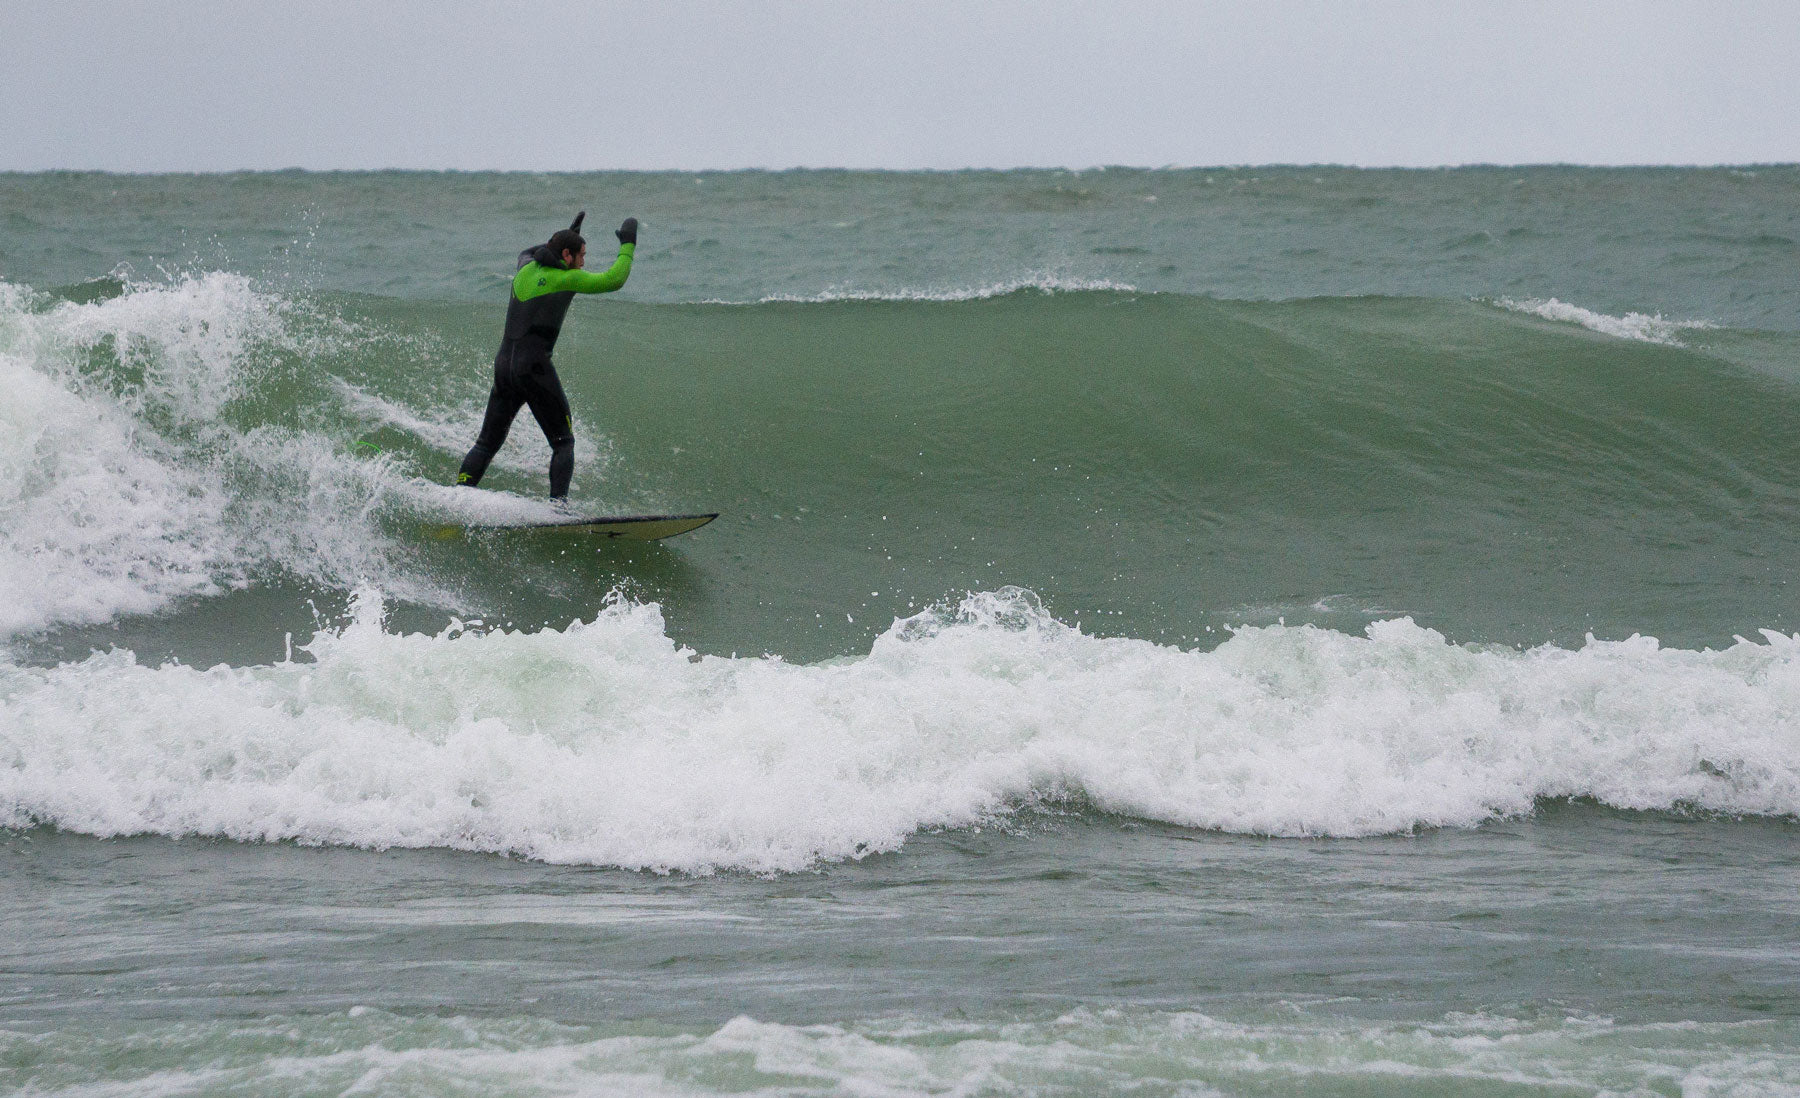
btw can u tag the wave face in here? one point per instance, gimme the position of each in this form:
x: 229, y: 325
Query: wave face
x: 1153, y: 465
x: 608, y: 743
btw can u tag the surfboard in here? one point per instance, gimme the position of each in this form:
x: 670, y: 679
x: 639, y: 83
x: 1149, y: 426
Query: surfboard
x: 623, y: 527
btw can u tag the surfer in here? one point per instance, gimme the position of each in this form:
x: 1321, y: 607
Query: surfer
x: 549, y: 277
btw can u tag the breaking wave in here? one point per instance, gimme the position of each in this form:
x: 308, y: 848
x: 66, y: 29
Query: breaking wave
x: 608, y: 743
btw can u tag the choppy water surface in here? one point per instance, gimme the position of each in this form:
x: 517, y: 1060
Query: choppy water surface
x: 1181, y: 632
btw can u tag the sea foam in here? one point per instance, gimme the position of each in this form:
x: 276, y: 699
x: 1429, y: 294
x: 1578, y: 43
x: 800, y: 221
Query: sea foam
x: 1643, y: 327
x: 131, y: 478
x: 98, y: 516
x: 607, y: 743
x: 1289, y: 1049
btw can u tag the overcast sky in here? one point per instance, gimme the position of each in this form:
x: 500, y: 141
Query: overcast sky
x: 162, y: 85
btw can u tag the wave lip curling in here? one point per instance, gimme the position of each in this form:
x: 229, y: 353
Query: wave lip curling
x: 1642, y: 327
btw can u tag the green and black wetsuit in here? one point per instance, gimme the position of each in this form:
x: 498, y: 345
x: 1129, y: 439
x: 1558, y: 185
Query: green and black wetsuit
x: 523, y: 372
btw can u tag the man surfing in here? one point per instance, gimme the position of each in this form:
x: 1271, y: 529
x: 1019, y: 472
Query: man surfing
x: 550, y: 275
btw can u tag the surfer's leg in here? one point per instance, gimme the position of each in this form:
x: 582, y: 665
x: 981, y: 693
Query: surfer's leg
x: 544, y: 392
x: 562, y: 467
x: 503, y: 405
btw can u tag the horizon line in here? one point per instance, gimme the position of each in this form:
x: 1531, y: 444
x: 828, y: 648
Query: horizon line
x: 1472, y: 165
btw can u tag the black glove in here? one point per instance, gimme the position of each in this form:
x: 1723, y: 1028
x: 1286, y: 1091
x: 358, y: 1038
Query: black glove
x: 627, y: 233
x: 575, y: 225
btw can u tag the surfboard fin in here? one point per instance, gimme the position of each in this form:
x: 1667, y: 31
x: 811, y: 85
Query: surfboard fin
x: 575, y: 225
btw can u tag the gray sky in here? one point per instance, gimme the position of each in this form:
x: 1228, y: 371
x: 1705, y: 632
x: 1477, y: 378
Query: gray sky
x: 160, y: 85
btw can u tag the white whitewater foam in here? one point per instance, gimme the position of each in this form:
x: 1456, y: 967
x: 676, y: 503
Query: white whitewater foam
x: 125, y: 484
x: 606, y: 743
x: 452, y: 430
x: 1084, y: 1052
x: 1643, y: 327
x: 98, y: 514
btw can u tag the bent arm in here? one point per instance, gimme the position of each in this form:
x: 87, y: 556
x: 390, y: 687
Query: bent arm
x: 596, y: 282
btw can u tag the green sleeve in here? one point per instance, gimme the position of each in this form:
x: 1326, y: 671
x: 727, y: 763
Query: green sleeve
x: 594, y: 282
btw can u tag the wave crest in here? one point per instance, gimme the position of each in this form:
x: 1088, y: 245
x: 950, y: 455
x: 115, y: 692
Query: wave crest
x: 1643, y: 327
x: 607, y: 743
x: 1042, y: 283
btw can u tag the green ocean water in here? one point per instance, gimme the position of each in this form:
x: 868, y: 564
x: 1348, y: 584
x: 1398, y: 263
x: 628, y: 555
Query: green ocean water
x: 1245, y: 631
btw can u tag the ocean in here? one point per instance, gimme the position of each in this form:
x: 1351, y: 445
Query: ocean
x: 1169, y: 632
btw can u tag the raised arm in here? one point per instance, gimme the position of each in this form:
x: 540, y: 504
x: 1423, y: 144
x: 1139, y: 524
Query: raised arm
x: 596, y: 282
x: 601, y: 282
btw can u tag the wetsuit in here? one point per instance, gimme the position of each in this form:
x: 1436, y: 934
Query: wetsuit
x: 523, y: 372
